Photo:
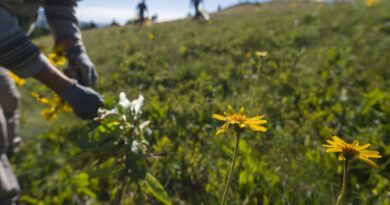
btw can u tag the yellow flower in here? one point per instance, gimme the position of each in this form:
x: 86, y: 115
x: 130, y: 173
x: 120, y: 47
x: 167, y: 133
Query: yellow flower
x: 370, y: 3
x: 151, y: 36
x: 55, y: 106
x: 50, y: 114
x: 40, y: 98
x: 240, y: 121
x: 248, y: 54
x: 57, y: 56
x: 350, y: 151
x: 66, y: 108
x: 261, y: 54
x: 19, y: 81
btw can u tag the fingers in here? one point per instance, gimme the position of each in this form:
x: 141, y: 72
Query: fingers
x: 88, y: 75
x: 94, y: 77
x: 83, y: 70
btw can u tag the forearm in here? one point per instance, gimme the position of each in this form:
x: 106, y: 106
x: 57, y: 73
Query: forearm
x: 54, y: 79
x: 62, y: 19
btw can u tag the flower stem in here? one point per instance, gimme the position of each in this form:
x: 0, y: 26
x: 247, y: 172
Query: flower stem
x: 345, y: 180
x: 237, y: 141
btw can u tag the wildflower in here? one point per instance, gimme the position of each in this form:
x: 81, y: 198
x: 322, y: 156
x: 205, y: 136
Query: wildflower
x: 151, y: 36
x: 50, y: 114
x: 67, y: 108
x: 54, y: 107
x: 350, y: 151
x: 40, y: 98
x: 347, y: 153
x: 240, y: 121
x: 248, y: 54
x: 19, y: 81
x: 57, y: 56
x: 370, y: 3
x: 261, y: 54
x: 135, y: 105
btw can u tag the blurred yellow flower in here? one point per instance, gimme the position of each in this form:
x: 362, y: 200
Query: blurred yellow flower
x: 54, y: 106
x: 370, y: 3
x: 50, y: 114
x: 40, y: 98
x: 19, y: 81
x: 151, y: 36
x: 66, y: 108
x: 261, y: 54
x: 240, y: 121
x: 350, y: 151
x: 57, y: 56
x: 248, y: 54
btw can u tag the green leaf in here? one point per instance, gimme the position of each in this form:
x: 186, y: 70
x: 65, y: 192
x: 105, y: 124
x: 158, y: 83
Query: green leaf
x: 81, y: 180
x: 101, y: 136
x: 158, y: 191
x: 135, y: 160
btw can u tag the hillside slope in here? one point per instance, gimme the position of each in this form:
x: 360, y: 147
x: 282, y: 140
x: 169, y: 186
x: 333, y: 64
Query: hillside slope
x: 327, y: 72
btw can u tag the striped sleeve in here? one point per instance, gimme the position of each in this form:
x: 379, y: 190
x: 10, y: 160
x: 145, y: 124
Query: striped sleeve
x: 61, y: 16
x: 17, y: 53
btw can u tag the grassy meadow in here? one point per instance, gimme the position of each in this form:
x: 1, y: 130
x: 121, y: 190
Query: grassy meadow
x: 327, y: 73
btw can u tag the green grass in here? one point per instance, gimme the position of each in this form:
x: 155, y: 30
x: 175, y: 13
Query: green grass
x: 327, y: 73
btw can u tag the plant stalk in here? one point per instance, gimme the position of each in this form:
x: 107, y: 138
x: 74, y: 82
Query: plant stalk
x: 118, y: 196
x: 345, y: 181
x: 237, y: 141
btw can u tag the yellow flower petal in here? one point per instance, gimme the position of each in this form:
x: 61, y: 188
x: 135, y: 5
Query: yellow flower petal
x: 242, y: 125
x: 362, y: 147
x: 230, y: 109
x: 369, y: 162
x: 259, y: 117
x: 257, y: 128
x: 222, y: 129
x: 329, y: 146
x: 355, y: 144
x: 256, y: 122
x: 219, y: 117
x: 369, y: 153
x: 242, y: 110
x: 336, y: 149
x: 332, y: 143
x: 338, y: 140
x: 341, y: 157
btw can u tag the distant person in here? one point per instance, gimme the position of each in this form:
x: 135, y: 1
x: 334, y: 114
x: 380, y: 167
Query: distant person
x: 196, y: 4
x: 154, y: 18
x: 19, y: 55
x: 142, y: 8
x: 200, y: 12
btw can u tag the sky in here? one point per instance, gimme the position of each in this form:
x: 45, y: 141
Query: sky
x: 105, y: 11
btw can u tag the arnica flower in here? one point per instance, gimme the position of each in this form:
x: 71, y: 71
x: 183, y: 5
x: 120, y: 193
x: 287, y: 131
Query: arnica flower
x: 151, y: 36
x: 261, y: 54
x: 248, y: 54
x: 239, y: 121
x: 350, y: 151
x: 19, y: 81
x: 39, y: 98
x: 50, y: 114
x: 57, y: 56
x: 54, y: 107
x: 370, y: 3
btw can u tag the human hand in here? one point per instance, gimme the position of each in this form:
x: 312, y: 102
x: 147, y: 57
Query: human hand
x: 84, y: 101
x: 81, y: 67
